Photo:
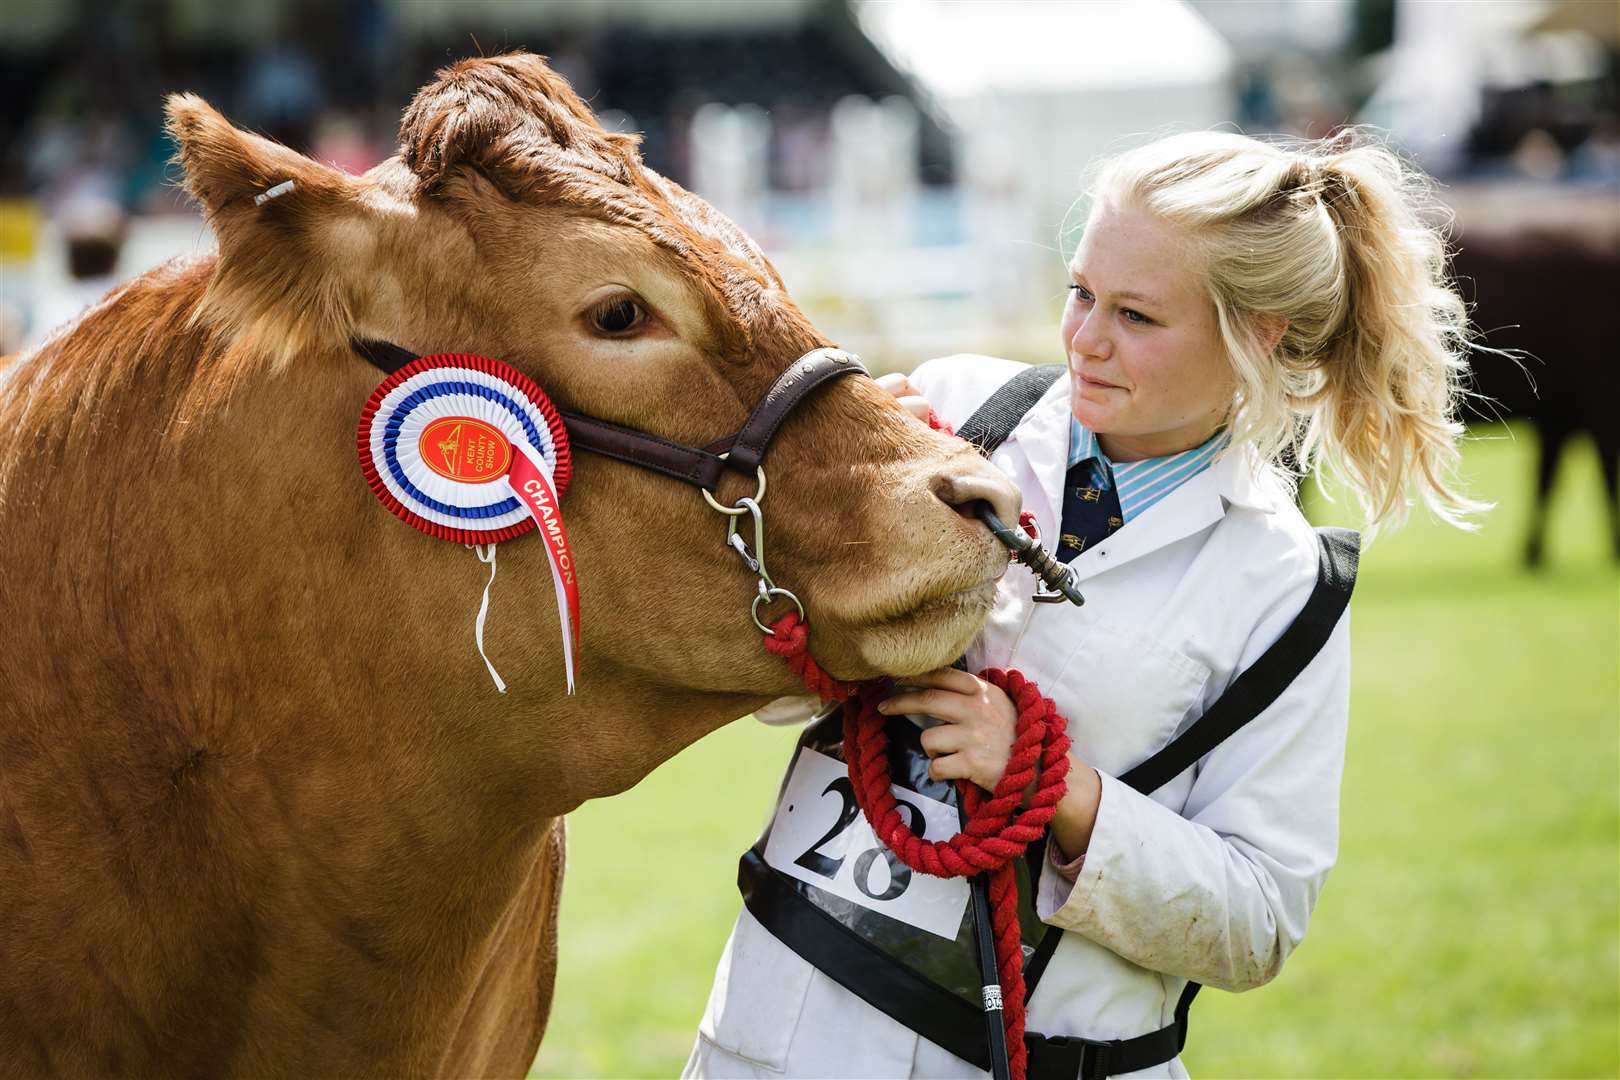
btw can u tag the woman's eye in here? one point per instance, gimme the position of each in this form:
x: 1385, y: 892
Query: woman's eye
x: 618, y: 317
x: 1081, y: 293
x: 1134, y: 316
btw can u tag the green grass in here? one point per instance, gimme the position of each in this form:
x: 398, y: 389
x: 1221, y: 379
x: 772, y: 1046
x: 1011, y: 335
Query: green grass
x: 1470, y: 928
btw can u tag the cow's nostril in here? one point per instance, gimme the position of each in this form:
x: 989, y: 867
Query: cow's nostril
x: 960, y: 490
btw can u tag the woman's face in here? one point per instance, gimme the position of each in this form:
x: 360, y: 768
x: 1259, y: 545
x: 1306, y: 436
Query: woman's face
x: 1148, y: 371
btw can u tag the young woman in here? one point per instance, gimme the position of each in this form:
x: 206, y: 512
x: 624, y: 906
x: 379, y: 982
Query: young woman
x: 1234, y: 305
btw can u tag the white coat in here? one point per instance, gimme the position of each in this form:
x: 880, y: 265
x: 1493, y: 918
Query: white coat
x: 1212, y: 877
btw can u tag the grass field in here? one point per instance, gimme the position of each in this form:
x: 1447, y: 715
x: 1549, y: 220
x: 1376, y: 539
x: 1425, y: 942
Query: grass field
x: 1470, y: 928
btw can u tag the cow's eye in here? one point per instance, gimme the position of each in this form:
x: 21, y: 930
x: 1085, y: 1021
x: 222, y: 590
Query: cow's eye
x: 619, y: 316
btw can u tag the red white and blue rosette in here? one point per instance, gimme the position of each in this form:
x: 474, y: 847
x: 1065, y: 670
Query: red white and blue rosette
x: 469, y: 449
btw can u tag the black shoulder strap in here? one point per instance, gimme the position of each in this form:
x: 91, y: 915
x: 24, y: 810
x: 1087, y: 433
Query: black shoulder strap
x: 993, y: 421
x: 1253, y: 691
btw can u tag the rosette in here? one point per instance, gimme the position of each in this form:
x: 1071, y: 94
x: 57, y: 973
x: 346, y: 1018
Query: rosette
x: 469, y: 449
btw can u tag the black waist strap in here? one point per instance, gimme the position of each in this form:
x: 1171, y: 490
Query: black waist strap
x: 1061, y: 1057
x: 931, y: 1011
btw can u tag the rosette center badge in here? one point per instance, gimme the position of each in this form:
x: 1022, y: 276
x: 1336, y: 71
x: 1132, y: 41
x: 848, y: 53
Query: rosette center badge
x: 461, y: 448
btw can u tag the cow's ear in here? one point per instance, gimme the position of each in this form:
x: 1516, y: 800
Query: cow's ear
x: 229, y: 169
x: 290, y: 230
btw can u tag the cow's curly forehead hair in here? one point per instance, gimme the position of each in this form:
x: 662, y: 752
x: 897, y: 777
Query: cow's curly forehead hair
x: 524, y: 128
x: 513, y: 118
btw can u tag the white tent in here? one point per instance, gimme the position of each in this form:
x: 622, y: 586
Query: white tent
x: 1037, y: 90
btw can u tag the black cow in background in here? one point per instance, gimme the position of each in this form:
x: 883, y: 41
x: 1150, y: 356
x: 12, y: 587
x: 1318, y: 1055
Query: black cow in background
x: 1541, y: 271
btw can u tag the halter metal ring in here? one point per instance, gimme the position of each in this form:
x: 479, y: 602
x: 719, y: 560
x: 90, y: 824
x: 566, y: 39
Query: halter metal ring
x: 734, y: 511
x: 768, y: 594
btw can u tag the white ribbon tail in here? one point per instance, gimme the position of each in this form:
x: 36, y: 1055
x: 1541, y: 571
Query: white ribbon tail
x: 564, y: 620
x: 483, y: 611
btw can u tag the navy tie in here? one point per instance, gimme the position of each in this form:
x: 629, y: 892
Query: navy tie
x: 1090, y: 508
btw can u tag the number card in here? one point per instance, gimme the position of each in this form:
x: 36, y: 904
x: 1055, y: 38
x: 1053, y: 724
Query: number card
x: 821, y: 838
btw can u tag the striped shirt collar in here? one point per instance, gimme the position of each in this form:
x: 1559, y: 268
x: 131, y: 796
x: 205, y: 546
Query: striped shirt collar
x: 1140, y: 484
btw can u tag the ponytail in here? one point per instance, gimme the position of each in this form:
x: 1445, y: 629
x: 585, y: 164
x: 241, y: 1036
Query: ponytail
x: 1329, y: 242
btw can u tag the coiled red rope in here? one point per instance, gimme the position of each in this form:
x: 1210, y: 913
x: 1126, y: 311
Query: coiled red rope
x: 999, y: 827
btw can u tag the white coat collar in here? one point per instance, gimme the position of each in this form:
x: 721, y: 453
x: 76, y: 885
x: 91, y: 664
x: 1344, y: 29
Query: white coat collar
x: 1244, y: 481
x: 1043, y: 439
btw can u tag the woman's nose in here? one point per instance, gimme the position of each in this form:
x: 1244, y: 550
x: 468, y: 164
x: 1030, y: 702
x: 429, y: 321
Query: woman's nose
x: 1088, y: 339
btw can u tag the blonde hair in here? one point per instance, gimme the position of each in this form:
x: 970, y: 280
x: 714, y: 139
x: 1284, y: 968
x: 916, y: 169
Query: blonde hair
x: 1330, y: 236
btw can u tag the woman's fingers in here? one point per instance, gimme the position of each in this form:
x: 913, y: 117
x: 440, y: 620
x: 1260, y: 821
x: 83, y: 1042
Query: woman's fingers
x: 909, y: 396
x: 974, y: 742
x: 898, y: 385
x: 951, y: 767
x: 946, y: 694
x: 916, y: 406
x: 946, y: 678
x: 940, y: 704
x: 944, y: 739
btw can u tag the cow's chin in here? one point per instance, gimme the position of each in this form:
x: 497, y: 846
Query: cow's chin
x: 929, y: 634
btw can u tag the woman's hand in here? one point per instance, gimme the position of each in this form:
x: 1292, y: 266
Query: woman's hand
x: 975, y: 742
x: 908, y: 395
x: 976, y: 738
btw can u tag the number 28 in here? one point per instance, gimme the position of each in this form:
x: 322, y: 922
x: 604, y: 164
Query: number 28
x: 826, y: 866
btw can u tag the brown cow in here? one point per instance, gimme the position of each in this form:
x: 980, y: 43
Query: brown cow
x: 261, y: 811
x: 1540, y: 270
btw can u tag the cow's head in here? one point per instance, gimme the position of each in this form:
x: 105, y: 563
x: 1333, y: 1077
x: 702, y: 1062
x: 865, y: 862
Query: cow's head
x: 512, y: 225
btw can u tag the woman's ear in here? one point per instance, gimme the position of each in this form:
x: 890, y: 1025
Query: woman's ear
x: 293, y: 234
x: 1271, y: 329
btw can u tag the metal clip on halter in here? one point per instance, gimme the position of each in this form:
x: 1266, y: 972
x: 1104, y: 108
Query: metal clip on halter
x: 1057, y: 579
x: 753, y: 557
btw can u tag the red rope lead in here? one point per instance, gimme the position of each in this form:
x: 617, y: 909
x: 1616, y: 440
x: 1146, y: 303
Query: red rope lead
x: 790, y: 639
x: 997, y: 830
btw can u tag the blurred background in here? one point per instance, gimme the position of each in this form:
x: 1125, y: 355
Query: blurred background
x: 910, y: 166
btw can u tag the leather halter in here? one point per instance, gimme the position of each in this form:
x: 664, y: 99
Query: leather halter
x: 742, y: 452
